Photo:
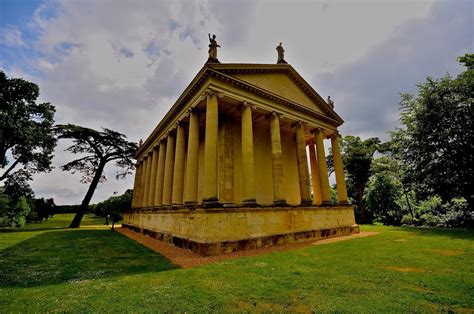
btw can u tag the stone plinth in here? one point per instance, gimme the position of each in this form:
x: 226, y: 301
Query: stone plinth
x: 215, y: 231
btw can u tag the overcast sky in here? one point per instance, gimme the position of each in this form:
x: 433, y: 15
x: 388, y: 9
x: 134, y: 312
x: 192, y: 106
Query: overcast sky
x: 121, y: 64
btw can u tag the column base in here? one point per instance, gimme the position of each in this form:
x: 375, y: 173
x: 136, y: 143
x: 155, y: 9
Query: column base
x: 344, y: 203
x: 326, y: 203
x: 177, y: 206
x: 306, y: 203
x: 190, y: 204
x: 251, y: 202
x: 229, y: 205
x: 280, y: 203
x: 211, y: 202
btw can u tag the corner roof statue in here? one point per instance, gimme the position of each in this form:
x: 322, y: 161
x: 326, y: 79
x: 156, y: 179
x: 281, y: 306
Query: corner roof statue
x: 213, y: 49
x: 281, y: 54
x: 238, y: 140
x: 330, y: 102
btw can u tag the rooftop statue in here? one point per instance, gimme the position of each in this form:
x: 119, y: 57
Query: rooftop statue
x: 330, y: 102
x: 281, y: 54
x: 213, y: 49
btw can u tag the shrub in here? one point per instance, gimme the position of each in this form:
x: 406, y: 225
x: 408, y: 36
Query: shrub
x: 381, y: 197
x: 457, y: 213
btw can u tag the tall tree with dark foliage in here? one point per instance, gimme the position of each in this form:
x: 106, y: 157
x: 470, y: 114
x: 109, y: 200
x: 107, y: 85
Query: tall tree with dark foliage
x: 97, y: 148
x: 434, y: 145
x: 26, y: 129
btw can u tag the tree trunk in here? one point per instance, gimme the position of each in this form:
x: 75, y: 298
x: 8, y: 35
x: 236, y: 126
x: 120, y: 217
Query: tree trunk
x: 7, y: 172
x: 76, y: 222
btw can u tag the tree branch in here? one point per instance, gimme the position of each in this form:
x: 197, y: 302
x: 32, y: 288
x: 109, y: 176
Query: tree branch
x: 5, y: 174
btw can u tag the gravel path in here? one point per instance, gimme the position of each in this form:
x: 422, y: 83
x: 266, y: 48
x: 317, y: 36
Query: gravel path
x: 186, y: 258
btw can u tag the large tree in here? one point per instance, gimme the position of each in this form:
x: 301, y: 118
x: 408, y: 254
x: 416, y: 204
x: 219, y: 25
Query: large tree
x: 357, y: 156
x: 435, y: 142
x: 26, y: 132
x: 97, y: 148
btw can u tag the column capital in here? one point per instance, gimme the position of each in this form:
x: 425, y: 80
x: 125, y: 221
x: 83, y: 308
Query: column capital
x: 193, y: 110
x: 274, y: 114
x: 298, y: 123
x: 336, y: 134
x: 315, y: 130
x: 212, y: 92
x: 246, y: 104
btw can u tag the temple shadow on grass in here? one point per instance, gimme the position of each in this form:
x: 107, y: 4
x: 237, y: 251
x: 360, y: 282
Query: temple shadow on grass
x: 454, y: 233
x: 19, y: 229
x: 62, y: 256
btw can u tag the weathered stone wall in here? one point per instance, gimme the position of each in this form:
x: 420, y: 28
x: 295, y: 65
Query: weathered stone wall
x: 211, y: 225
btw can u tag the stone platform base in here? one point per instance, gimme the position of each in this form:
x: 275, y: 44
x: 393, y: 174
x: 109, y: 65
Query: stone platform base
x: 215, y: 231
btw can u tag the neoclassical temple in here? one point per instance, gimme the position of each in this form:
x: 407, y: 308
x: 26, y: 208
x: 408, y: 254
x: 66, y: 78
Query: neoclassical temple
x: 238, y: 162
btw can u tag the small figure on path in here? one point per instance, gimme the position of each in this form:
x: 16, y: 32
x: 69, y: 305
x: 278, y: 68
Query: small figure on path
x: 107, y: 219
x: 213, y: 49
x: 281, y: 54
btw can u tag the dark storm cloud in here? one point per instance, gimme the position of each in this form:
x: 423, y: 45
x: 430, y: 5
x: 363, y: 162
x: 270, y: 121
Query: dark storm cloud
x: 367, y: 92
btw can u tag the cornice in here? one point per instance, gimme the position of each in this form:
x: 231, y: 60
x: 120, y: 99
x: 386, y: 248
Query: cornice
x: 245, y: 68
x: 219, y: 72
x: 271, y: 96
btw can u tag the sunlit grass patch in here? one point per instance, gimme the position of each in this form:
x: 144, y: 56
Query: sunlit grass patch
x: 98, y: 270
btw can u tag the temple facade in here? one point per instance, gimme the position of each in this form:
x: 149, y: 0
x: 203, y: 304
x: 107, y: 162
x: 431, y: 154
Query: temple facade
x: 239, y: 162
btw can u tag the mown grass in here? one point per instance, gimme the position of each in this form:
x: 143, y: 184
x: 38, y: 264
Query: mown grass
x: 63, y: 221
x: 94, y: 269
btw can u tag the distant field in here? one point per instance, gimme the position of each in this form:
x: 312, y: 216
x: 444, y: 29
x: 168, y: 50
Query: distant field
x: 63, y: 220
x: 96, y: 269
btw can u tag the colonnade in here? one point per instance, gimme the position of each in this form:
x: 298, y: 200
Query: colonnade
x: 160, y: 174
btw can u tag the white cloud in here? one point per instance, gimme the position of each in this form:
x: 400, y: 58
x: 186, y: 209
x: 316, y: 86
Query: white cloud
x: 11, y: 37
x: 122, y: 64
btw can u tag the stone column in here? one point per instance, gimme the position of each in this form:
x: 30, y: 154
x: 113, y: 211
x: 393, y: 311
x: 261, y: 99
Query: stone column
x: 277, y: 161
x: 210, y: 151
x: 339, y: 170
x: 136, y: 183
x: 192, y: 163
x: 149, y: 179
x: 144, y: 196
x: 315, y: 180
x: 160, y: 174
x: 302, y: 164
x: 154, y: 163
x: 226, y: 163
x: 178, y: 172
x: 323, y: 168
x: 168, y: 176
x: 141, y: 183
x: 248, y: 171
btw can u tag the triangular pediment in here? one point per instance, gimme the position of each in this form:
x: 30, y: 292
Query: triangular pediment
x: 281, y: 85
x: 281, y: 80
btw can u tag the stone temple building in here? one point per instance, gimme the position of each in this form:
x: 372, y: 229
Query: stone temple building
x: 238, y: 162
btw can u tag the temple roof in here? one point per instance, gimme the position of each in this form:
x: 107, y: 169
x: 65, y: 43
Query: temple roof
x: 253, y: 77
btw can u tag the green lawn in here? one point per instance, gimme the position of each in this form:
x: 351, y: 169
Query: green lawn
x: 96, y: 269
x: 63, y: 221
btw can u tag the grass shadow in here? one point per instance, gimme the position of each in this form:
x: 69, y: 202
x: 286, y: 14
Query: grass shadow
x: 454, y: 233
x: 20, y: 229
x: 63, y: 256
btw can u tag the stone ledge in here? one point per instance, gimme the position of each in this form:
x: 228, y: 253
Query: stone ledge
x: 215, y: 248
x: 168, y: 209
